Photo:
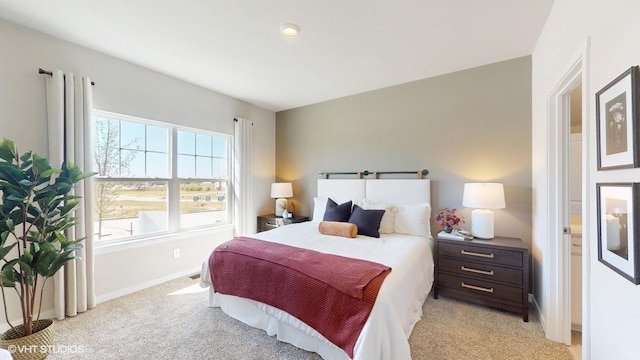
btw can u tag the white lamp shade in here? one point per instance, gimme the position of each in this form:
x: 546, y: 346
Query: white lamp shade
x: 483, y: 196
x: 281, y: 190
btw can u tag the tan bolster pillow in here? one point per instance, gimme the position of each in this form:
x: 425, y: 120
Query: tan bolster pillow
x: 337, y: 228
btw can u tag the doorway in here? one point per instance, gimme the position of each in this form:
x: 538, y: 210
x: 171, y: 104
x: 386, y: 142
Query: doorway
x: 560, y: 246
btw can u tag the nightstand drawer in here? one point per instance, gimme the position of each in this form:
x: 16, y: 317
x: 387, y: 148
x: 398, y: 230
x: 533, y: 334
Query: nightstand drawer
x: 480, y: 288
x: 484, y: 254
x: 265, y: 224
x: 268, y: 222
x: 481, y: 271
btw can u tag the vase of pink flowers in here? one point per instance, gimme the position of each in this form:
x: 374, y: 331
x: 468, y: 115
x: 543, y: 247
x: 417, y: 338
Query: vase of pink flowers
x: 447, y: 218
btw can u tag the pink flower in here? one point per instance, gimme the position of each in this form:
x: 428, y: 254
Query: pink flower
x: 447, y: 217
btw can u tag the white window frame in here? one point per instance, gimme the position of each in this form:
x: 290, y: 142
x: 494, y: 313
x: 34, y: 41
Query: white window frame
x: 173, y: 182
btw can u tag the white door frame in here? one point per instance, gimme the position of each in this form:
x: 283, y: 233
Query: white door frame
x: 557, y: 257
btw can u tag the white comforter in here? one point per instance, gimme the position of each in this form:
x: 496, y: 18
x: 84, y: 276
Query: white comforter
x: 397, y: 308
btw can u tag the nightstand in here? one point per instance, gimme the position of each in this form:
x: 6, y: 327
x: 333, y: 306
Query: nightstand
x: 271, y: 221
x: 488, y: 272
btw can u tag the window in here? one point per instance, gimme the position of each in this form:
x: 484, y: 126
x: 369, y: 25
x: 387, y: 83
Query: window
x: 147, y: 183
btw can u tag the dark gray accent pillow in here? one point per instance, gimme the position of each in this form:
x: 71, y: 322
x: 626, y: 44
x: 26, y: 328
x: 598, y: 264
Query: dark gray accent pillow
x: 335, y: 212
x: 368, y: 221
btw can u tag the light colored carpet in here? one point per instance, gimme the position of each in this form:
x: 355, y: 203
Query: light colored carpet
x: 172, y: 321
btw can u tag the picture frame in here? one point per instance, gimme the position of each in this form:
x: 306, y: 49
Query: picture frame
x: 617, y: 130
x: 618, y: 243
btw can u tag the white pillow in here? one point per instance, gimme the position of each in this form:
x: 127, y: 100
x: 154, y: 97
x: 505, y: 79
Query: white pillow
x: 319, y: 207
x: 413, y: 219
x: 386, y: 224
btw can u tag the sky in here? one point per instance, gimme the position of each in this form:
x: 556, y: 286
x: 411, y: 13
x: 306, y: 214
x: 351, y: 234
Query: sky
x: 144, y: 150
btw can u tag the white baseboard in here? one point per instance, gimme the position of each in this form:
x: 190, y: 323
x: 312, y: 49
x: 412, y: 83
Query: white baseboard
x: 532, y: 299
x: 49, y: 314
x: 148, y: 284
x: 126, y: 291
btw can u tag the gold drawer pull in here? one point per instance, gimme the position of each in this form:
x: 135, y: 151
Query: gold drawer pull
x: 465, y: 252
x: 271, y: 225
x: 483, y: 272
x: 473, y: 287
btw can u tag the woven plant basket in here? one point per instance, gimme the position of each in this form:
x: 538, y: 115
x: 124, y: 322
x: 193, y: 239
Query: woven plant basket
x: 33, y: 347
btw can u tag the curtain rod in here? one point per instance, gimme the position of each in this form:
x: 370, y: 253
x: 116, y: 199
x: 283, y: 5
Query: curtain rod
x: 45, y: 72
x: 360, y: 174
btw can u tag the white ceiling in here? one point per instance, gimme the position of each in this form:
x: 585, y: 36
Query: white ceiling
x: 345, y: 47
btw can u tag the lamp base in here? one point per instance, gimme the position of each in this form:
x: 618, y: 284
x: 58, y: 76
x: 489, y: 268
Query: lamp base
x: 281, y: 206
x: 482, y: 224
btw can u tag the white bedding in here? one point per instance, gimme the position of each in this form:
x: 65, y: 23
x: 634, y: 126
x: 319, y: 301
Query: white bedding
x: 397, y: 308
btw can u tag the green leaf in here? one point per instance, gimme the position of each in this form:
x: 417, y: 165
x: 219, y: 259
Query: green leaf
x: 84, y: 176
x: 10, y: 264
x: 7, y: 150
x: 12, y: 173
x: 15, y: 198
x: 4, y: 235
x: 7, y: 278
x: 27, y: 257
x: 40, y: 164
x: 59, y: 262
x: 26, y: 156
x: 5, y: 250
x: 45, y: 262
x: 26, y: 268
x: 70, y: 206
x: 48, y: 173
x: 62, y: 187
x: 25, y: 182
x: 26, y: 164
x: 10, y: 225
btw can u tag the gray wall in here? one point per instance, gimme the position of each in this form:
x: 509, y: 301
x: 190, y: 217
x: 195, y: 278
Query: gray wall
x: 129, y: 89
x: 468, y: 126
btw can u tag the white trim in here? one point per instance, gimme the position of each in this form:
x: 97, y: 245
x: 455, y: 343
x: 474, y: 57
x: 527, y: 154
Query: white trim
x: 587, y: 209
x: 162, y: 238
x: 536, y: 307
x: 556, y: 270
x: 148, y: 284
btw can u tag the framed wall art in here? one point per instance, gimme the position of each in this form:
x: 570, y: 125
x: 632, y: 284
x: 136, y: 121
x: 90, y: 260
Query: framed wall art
x: 618, y: 228
x: 617, y: 116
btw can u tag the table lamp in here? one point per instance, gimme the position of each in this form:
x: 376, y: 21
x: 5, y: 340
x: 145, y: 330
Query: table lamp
x: 281, y: 191
x: 482, y: 197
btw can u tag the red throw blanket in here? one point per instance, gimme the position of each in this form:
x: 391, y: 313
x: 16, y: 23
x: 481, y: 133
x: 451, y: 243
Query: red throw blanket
x: 330, y: 293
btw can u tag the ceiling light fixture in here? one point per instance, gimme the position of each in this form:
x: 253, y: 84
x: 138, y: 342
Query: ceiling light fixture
x: 289, y: 30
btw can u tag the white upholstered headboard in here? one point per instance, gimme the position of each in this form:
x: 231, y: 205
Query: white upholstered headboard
x: 392, y: 191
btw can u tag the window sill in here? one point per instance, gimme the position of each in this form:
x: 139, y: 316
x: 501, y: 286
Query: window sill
x: 154, y: 240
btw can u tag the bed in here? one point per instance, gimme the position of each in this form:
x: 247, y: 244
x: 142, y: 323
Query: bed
x: 405, y: 245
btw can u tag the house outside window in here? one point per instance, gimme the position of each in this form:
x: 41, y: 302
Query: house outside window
x: 154, y: 178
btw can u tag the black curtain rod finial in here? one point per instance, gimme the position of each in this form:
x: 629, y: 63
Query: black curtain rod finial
x: 42, y: 71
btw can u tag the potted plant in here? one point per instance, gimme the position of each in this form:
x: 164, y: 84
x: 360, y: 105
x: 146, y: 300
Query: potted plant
x: 35, y: 212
